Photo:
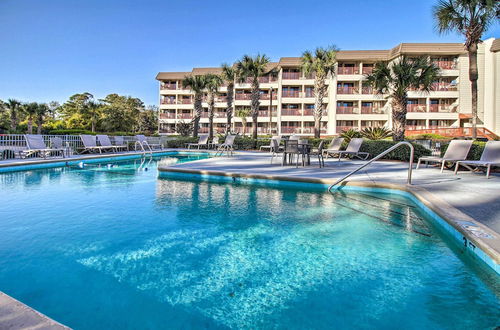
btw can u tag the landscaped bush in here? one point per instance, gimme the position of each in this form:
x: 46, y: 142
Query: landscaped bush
x: 474, y: 153
x: 403, y: 153
x: 428, y: 136
x: 69, y: 132
x: 247, y: 143
x: 180, y: 141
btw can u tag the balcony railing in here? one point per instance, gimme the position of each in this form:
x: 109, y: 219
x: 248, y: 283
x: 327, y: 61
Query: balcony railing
x: 309, y: 93
x: 167, y: 115
x: 347, y: 90
x: 345, y: 128
x: 347, y: 110
x: 414, y: 127
x: 184, y: 116
x: 265, y: 113
x: 443, y: 86
x: 310, y: 130
x: 308, y: 112
x: 415, y: 107
x: 372, y: 110
x: 348, y: 70
x: 291, y: 75
x: 367, y: 70
x: 440, y: 108
x: 169, y: 86
x: 290, y: 94
x: 267, y: 96
x: 242, y: 96
x: 168, y: 101
x: 366, y: 90
x: 290, y: 129
x: 221, y: 99
x: 185, y: 101
x: 291, y: 112
x: 445, y: 65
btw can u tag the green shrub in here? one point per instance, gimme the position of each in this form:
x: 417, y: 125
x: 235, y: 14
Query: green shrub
x: 376, y: 133
x: 350, y: 134
x: 375, y: 148
x: 247, y: 143
x: 180, y: 141
x: 428, y: 136
x: 69, y: 132
x: 474, y: 153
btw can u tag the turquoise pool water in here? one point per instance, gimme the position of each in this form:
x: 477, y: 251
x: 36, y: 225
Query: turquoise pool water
x: 117, y: 248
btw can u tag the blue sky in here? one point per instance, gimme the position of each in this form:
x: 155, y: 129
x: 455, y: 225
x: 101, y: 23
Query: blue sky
x: 51, y: 49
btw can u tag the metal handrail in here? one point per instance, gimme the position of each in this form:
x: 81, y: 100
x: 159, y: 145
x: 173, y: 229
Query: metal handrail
x: 410, y: 165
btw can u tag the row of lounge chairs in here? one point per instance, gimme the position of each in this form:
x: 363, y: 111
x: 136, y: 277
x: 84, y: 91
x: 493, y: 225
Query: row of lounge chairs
x: 203, y: 142
x: 35, y: 145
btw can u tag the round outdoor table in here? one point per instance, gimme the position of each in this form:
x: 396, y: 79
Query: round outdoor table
x: 304, y: 151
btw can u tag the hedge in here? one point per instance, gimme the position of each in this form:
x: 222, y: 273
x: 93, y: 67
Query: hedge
x: 403, y: 153
x: 83, y: 131
x: 180, y: 142
x: 475, y: 151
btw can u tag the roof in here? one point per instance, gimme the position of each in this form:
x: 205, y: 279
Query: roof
x: 171, y: 75
x: 201, y: 71
x: 427, y: 48
x: 495, y: 46
x: 375, y: 55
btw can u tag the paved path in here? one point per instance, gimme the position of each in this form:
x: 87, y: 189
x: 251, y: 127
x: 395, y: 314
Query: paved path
x: 469, y: 192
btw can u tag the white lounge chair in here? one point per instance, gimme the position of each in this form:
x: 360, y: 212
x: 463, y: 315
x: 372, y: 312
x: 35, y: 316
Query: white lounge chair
x: 457, y: 150
x: 90, y: 144
x: 214, y: 143
x: 143, y: 141
x: 104, y: 141
x: 227, y: 146
x: 271, y: 146
x: 490, y: 157
x: 120, y: 142
x: 333, y: 147
x: 202, y: 142
x: 353, y: 150
x: 36, y: 144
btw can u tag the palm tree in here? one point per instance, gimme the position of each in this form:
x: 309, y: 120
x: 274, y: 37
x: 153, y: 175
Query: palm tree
x: 41, y: 111
x: 321, y: 63
x: 14, y: 107
x: 213, y: 83
x: 229, y: 75
x: 30, y: 110
x: 253, y: 68
x: 93, y: 110
x: 396, y: 79
x: 196, y: 84
x: 243, y: 114
x: 471, y: 18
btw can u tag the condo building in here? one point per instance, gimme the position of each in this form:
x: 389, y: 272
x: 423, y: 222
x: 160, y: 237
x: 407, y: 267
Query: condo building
x: 287, y: 99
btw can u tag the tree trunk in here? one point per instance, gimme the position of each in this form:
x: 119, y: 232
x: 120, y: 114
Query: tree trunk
x: 39, y: 124
x: 399, y: 118
x: 30, y: 125
x: 93, y: 126
x: 13, y: 120
x: 255, y: 106
x: 229, y: 110
x: 473, y: 76
x: 319, y: 93
x: 211, y: 106
x: 197, y: 113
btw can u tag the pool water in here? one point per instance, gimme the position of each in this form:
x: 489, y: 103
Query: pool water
x: 115, y: 247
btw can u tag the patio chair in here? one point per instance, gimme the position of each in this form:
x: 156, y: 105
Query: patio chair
x: 120, y: 142
x: 104, y: 141
x: 143, y: 141
x: 291, y: 151
x: 227, y: 146
x: 353, y: 150
x: 457, y: 150
x: 57, y: 143
x: 202, y: 142
x: 270, y: 146
x: 333, y: 147
x: 319, y: 152
x: 276, y: 149
x: 90, y: 144
x: 490, y: 157
x: 35, y: 144
x: 215, y: 143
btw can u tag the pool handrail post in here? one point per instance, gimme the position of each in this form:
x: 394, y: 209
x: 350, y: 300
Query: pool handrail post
x: 410, y: 165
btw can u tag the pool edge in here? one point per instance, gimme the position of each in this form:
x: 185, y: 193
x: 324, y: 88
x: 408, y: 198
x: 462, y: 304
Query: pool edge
x: 448, y: 217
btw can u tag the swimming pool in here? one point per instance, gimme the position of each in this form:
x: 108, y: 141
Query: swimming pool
x: 114, y: 247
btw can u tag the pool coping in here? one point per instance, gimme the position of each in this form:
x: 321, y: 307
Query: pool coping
x: 456, y: 222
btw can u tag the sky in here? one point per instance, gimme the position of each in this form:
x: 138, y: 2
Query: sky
x: 52, y: 49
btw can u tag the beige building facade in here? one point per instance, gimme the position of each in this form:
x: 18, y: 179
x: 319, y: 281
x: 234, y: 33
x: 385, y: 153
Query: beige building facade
x: 287, y: 99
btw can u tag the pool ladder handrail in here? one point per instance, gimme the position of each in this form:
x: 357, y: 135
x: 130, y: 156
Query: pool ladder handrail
x: 141, y: 144
x: 402, y: 143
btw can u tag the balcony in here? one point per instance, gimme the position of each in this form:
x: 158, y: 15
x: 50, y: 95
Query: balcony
x: 348, y: 70
x: 445, y: 65
x: 443, y: 87
x: 185, y: 101
x: 290, y: 94
x: 366, y: 90
x: 372, y: 110
x: 310, y: 130
x: 308, y: 112
x: 168, y: 86
x: 221, y: 99
x: 291, y: 112
x: 414, y: 127
x: 416, y: 107
x: 267, y: 96
x: 347, y: 110
x: 290, y: 129
x: 440, y: 108
x: 265, y: 113
x: 168, y: 101
x: 243, y: 96
x: 167, y: 115
x: 347, y: 90
x: 367, y: 69
x: 184, y: 116
x: 345, y: 128
x: 309, y: 93
x: 291, y: 75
